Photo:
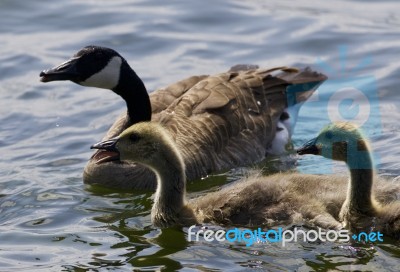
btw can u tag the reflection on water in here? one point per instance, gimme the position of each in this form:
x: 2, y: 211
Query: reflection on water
x: 49, y: 220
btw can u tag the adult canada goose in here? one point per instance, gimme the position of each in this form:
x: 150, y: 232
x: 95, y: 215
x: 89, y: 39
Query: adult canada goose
x: 218, y: 122
x: 362, y: 210
x: 279, y: 198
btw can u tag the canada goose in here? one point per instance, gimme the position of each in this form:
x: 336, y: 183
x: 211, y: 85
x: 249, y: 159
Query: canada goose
x: 284, y: 197
x: 218, y: 122
x: 362, y: 210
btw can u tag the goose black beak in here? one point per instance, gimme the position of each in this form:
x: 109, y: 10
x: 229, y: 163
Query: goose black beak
x: 309, y: 148
x: 107, y: 151
x: 64, y: 71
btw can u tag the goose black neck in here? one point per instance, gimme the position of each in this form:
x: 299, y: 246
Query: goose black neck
x: 131, y: 88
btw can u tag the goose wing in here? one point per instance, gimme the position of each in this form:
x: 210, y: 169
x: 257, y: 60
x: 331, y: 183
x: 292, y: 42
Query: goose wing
x: 229, y: 119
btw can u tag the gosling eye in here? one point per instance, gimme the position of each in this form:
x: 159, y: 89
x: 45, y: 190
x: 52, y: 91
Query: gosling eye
x: 134, y: 137
x: 329, y: 135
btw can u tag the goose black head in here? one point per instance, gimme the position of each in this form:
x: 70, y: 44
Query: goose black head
x: 102, y: 67
x: 92, y: 66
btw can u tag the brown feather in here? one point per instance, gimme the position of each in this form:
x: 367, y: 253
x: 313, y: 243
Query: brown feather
x: 218, y: 122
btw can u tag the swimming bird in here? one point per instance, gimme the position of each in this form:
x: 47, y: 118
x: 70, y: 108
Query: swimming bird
x: 317, y: 200
x: 218, y: 122
x: 254, y: 201
x: 365, y: 208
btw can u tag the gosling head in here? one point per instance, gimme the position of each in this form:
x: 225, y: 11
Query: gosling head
x: 146, y: 143
x: 340, y: 141
x: 92, y: 66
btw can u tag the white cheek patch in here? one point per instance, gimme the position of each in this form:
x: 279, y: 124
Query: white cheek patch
x: 282, y: 138
x: 108, y: 77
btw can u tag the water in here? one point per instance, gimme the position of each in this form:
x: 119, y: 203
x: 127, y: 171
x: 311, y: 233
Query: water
x: 50, y: 221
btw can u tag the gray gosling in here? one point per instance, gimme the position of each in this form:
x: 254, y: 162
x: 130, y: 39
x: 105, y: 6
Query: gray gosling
x: 284, y: 198
x: 365, y: 208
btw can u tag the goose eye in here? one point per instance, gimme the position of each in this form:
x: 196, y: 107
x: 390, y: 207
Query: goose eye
x: 134, y: 137
x: 329, y: 135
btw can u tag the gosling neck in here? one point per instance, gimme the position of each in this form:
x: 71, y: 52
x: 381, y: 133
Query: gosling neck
x: 131, y: 88
x: 361, y: 179
x: 171, y: 185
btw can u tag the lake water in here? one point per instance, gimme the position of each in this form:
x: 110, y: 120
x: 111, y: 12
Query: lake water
x: 51, y: 221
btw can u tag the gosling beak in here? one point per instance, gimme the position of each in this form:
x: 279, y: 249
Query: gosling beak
x: 64, y: 71
x: 108, y: 145
x: 309, y: 148
x: 107, y: 151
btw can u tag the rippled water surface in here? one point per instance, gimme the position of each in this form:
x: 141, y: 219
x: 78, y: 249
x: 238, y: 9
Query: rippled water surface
x: 50, y: 221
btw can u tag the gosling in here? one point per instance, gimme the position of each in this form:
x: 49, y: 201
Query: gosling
x: 255, y: 201
x: 363, y: 209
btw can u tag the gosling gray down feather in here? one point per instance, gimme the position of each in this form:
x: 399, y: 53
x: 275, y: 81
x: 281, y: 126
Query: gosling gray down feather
x: 364, y: 202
